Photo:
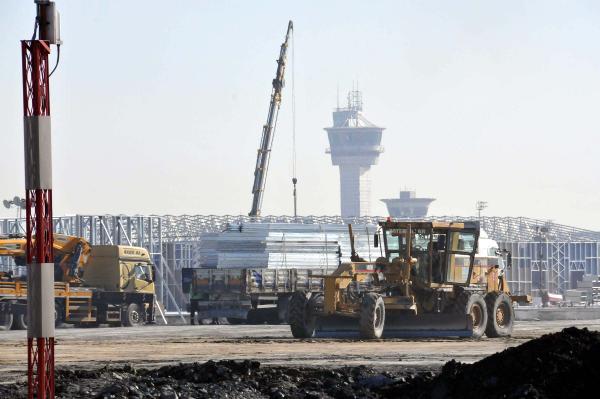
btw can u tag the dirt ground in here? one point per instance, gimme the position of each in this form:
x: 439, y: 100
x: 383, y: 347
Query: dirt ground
x: 151, y: 346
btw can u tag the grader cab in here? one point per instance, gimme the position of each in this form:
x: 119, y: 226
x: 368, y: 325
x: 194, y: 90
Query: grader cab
x: 423, y: 284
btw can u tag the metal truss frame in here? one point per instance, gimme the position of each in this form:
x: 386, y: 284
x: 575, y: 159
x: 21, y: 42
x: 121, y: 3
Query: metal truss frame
x: 514, y: 229
x: 173, y: 243
x: 550, y: 265
x: 140, y: 231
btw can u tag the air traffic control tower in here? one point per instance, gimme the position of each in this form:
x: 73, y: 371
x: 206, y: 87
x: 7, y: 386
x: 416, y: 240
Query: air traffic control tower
x: 354, y: 146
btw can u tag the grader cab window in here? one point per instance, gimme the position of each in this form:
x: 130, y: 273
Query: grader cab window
x: 461, y: 248
x: 395, y: 241
x: 420, y: 245
x: 438, y: 254
x: 421, y: 239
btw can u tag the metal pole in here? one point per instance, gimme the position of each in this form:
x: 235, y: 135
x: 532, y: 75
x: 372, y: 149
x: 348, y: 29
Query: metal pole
x: 38, y: 189
x: 38, y: 200
x: 294, y: 181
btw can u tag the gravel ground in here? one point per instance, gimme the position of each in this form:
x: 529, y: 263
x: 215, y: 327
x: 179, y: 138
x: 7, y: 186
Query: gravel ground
x: 96, y: 362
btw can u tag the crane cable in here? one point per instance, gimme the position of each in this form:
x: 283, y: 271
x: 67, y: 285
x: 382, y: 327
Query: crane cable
x: 293, y: 110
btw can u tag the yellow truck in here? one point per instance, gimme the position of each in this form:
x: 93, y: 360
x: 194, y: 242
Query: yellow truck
x: 112, y: 284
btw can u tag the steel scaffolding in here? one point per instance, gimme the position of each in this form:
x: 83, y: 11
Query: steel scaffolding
x: 545, y: 254
x: 514, y: 229
x: 554, y: 266
x: 140, y: 231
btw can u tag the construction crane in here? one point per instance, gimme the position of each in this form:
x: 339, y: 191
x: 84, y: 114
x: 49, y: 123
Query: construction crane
x: 70, y: 254
x: 266, y: 142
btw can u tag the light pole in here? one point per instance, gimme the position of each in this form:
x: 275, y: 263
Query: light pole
x: 480, y: 206
x: 17, y: 202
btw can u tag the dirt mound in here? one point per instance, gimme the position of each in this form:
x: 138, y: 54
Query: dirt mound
x: 559, y: 365
x: 223, y: 379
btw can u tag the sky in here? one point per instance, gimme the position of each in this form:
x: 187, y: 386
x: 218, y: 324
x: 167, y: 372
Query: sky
x: 157, y: 107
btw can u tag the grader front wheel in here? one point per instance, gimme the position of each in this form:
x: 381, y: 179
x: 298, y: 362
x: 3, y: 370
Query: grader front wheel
x: 302, y: 313
x: 372, y: 316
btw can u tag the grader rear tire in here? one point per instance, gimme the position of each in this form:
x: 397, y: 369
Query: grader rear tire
x: 302, y: 315
x: 501, y: 315
x: 474, y: 305
x: 372, y: 316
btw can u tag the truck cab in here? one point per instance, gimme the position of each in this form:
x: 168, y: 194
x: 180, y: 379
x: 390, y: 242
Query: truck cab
x: 120, y: 268
x: 122, y: 280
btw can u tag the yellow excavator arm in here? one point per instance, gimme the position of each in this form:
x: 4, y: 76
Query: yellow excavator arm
x: 70, y: 253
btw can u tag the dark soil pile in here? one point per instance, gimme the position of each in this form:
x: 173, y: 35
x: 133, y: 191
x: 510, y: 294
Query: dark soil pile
x: 223, y: 379
x: 560, y: 365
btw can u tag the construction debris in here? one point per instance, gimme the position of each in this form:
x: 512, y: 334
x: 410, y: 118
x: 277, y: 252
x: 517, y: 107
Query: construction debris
x: 559, y: 365
x: 586, y: 293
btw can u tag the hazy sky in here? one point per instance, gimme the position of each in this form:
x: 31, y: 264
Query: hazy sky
x: 157, y: 107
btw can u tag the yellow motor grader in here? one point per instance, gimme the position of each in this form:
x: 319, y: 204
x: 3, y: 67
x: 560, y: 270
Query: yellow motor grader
x: 422, y: 285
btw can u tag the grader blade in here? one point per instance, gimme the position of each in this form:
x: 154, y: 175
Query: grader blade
x: 399, y: 326
x: 335, y: 326
x: 428, y: 325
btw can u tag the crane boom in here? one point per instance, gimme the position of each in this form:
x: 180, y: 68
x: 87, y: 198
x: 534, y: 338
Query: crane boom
x: 71, y: 254
x: 266, y: 142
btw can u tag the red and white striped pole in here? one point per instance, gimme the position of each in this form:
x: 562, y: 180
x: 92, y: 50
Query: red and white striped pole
x: 38, y: 188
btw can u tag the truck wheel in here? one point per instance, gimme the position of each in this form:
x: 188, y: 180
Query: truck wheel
x: 59, y: 317
x: 501, y: 315
x: 302, y: 313
x: 474, y: 305
x: 372, y: 316
x: 19, y: 321
x: 133, y: 316
x: 6, y: 321
x: 204, y: 322
x: 283, y: 309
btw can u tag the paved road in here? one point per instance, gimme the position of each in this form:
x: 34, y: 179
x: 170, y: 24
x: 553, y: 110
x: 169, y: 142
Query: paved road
x: 158, y: 345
